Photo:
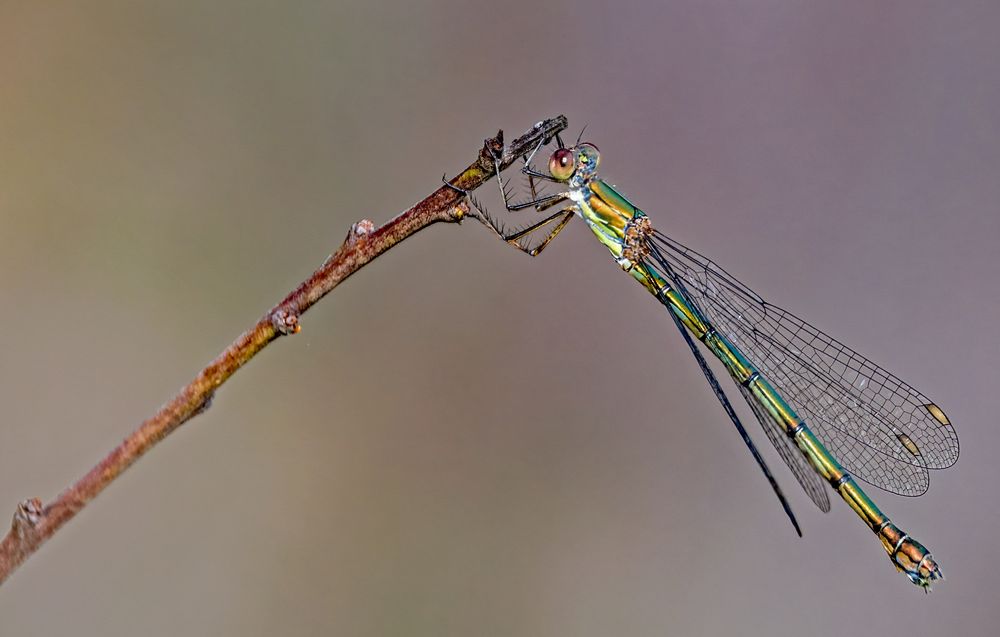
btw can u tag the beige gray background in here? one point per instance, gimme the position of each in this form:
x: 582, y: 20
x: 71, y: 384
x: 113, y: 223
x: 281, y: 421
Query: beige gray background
x: 464, y: 440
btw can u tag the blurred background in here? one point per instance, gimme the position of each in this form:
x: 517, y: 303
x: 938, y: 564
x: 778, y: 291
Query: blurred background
x: 464, y: 440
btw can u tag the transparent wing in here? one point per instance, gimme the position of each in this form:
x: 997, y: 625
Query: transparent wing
x: 713, y: 382
x: 801, y: 469
x: 884, y: 431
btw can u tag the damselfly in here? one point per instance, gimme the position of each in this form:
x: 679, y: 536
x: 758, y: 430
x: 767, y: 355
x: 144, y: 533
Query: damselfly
x: 814, y: 396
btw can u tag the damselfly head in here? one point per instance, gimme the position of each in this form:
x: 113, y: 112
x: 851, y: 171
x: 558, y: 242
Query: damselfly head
x: 564, y: 162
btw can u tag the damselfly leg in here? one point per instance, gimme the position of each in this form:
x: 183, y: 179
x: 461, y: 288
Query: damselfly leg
x: 538, y: 203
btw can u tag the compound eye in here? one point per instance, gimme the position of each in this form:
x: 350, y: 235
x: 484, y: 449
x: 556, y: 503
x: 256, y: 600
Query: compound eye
x: 589, y: 154
x: 562, y: 164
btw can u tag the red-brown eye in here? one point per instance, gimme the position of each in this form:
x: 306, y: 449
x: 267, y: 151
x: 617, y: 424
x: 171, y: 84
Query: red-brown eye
x: 561, y: 164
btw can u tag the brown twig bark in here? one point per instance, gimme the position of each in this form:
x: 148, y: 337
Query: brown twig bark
x: 34, y: 523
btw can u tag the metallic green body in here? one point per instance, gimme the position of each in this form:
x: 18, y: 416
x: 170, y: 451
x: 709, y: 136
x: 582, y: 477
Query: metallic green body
x: 608, y: 214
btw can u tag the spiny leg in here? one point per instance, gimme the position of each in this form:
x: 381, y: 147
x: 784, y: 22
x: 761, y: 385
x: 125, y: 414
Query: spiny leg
x: 540, y: 204
x: 532, y: 175
x: 566, y: 216
x: 535, y: 174
x: 513, y: 239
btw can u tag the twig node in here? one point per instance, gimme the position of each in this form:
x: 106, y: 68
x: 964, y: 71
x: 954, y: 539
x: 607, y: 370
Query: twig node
x: 359, y: 231
x: 26, y: 518
x: 286, y: 322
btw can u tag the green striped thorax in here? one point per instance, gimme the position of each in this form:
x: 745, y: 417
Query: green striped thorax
x: 617, y: 223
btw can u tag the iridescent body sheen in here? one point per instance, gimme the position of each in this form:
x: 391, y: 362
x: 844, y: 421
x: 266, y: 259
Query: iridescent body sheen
x: 891, y: 433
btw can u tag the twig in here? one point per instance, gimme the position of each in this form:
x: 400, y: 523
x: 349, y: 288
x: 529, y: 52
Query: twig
x: 34, y: 523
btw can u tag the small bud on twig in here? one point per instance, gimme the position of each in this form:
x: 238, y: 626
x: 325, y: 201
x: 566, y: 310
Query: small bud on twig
x: 28, y: 513
x: 359, y: 231
x: 286, y: 322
